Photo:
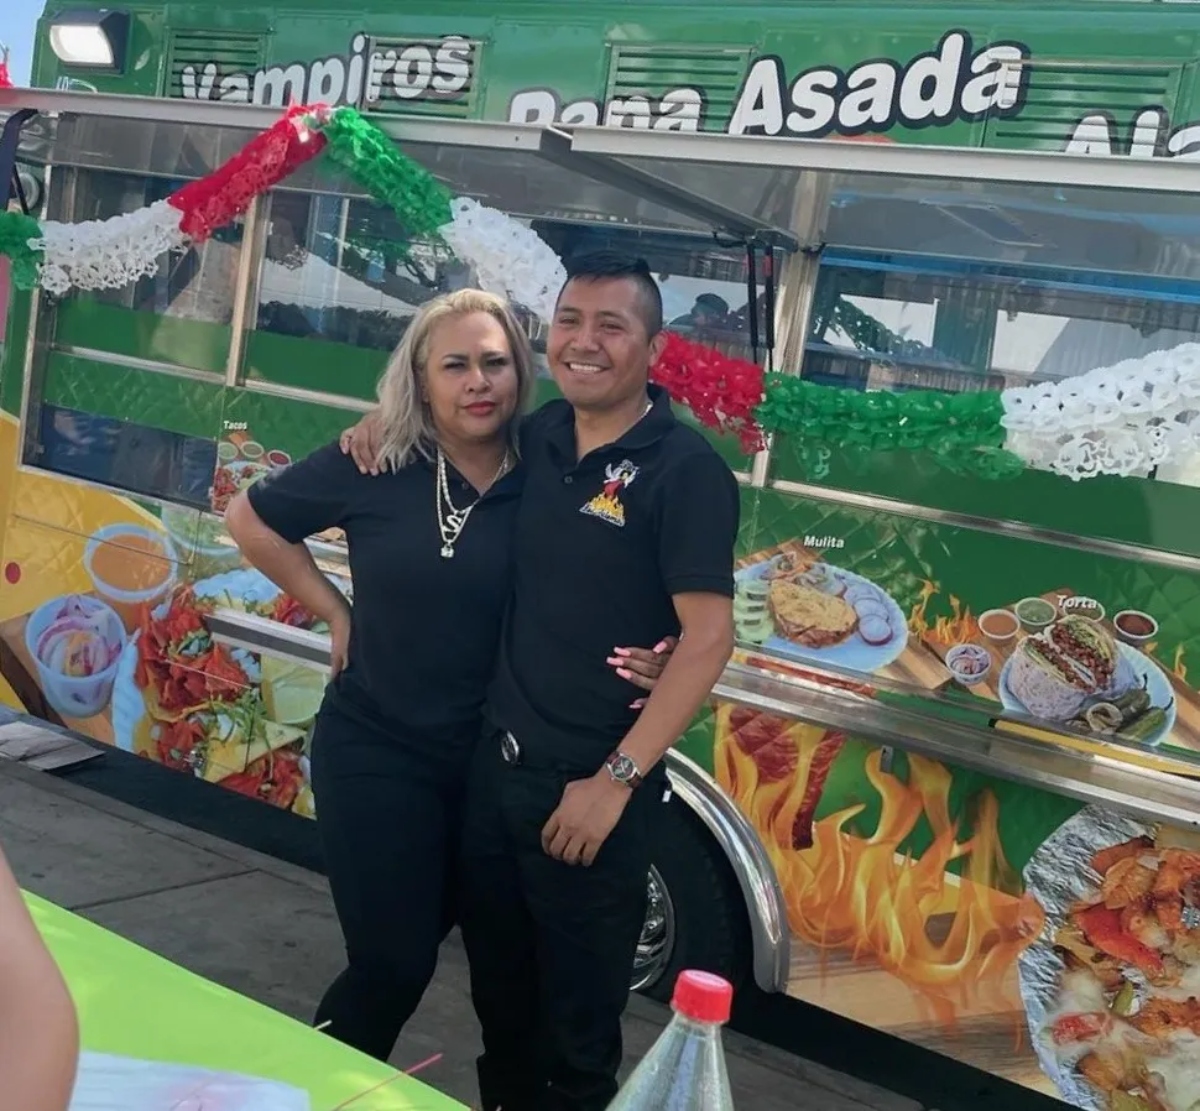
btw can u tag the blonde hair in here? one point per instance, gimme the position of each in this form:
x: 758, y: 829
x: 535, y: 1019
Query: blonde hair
x: 407, y: 423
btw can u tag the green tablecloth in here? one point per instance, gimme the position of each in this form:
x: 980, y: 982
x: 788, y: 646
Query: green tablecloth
x: 132, y: 1003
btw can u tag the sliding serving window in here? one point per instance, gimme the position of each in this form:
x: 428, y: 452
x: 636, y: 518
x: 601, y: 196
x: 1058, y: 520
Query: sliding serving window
x: 906, y: 321
x: 181, y: 315
x: 337, y: 284
x: 704, y: 286
x: 126, y: 388
x: 899, y: 323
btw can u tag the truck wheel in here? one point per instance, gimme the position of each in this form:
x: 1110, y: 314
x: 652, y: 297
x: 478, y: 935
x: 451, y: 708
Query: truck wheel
x: 695, y: 912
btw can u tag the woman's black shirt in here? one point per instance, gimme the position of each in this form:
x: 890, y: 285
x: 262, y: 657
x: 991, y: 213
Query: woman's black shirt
x: 425, y: 629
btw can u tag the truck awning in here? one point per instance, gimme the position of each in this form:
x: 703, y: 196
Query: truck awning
x: 1110, y: 213
x: 1063, y: 210
x: 528, y: 171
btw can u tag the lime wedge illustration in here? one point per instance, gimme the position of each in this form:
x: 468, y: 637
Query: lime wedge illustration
x: 292, y: 692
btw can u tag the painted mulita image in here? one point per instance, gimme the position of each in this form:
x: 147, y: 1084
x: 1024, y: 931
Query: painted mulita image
x: 806, y: 609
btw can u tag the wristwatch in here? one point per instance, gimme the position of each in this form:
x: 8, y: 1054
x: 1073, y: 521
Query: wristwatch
x: 622, y: 769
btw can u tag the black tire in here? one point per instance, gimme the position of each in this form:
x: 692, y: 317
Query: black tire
x: 711, y: 923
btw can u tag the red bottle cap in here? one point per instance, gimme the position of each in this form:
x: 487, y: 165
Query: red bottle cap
x: 703, y: 997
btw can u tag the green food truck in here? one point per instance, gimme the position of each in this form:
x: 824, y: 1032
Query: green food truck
x: 941, y: 790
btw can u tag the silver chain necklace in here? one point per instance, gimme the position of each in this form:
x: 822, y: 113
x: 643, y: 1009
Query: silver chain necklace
x: 451, y: 520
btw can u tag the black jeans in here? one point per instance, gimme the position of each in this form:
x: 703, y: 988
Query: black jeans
x: 551, y: 945
x: 389, y: 812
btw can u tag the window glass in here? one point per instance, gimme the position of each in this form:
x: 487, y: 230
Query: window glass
x: 194, y: 284
x: 180, y: 315
x: 704, y: 286
x: 903, y: 323
x: 340, y: 275
x: 99, y: 407
x: 337, y: 269
x: 129, y: 456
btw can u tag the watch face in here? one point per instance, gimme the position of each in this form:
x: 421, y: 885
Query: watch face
x: 623, y: 768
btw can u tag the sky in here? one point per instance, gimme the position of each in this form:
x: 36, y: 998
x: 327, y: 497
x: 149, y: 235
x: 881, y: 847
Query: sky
x: 17, y: 25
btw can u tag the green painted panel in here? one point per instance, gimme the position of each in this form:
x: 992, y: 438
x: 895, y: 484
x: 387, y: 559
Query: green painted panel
x: 697, y: 743
x: 313, y: 364
x: 726, y: 445
x: 545, y: 389
x: 976, y: 571
x: 83, y: 322
x: 747, y: 538
x: 148, y: 397
x: 282, y: 424
x: 1160, y: 515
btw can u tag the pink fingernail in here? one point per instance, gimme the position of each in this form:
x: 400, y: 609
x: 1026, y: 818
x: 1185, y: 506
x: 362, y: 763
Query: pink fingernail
x: 625, y: 673
x: 661, y: 646
x: 614, y: 660
x: 621, y: 651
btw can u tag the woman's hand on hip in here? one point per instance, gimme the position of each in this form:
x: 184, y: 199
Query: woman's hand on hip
x: 642, y: 666
x: 362, y: 442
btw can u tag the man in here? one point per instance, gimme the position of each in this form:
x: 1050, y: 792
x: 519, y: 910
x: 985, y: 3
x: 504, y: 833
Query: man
x: 710, y: 312
x: 626, y: 528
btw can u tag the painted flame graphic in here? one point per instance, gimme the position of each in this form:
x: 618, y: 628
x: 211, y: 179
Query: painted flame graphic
x: 953, y: 939
x: 958, y: 627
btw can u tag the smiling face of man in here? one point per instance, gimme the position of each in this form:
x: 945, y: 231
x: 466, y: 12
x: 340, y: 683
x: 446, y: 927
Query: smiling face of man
x: 605, y: 336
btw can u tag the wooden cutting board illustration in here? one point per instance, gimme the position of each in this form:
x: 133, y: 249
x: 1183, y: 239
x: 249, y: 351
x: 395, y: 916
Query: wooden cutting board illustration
x: 1186, y: 733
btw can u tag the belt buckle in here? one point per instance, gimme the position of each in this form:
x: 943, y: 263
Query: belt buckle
x: 510, y: 749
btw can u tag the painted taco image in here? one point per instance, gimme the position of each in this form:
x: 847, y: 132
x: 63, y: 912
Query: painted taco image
x: 1057, y: 671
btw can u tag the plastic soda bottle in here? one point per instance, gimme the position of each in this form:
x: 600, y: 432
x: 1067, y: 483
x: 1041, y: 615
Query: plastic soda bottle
x: 685, y: 1068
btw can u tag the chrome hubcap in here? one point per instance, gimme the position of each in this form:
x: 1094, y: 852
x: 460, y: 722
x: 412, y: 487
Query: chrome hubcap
x: 658, y: 934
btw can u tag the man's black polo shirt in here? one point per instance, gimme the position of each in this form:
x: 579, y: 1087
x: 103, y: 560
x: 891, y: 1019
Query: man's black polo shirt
x: 602, y: 544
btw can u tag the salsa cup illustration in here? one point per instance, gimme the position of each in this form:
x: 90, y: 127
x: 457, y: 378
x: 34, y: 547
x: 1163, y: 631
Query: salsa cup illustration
x: 131, y: 566
x: 75, y: 641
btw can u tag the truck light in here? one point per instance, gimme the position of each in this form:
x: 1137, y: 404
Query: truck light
x: 95, y: 39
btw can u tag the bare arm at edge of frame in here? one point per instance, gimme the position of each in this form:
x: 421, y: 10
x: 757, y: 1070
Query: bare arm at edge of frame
x: 39, y: 1029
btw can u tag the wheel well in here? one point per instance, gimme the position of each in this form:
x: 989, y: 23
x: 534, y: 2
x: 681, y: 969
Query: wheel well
x: 756, y: 877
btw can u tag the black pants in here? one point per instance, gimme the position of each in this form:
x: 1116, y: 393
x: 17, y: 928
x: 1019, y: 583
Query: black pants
x: 551, y: 945
x: 389, y: 812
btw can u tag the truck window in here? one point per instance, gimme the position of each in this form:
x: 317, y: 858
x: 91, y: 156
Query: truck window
x: 901, y: 323
x: 181, y: 315
x: 339, y: 276
x: 128, y: 388
x: 704, y: 287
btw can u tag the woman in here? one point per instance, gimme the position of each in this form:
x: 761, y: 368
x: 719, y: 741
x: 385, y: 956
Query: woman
x: 430, y: 559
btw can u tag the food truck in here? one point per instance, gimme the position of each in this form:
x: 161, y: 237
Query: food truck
x: 942, y: 789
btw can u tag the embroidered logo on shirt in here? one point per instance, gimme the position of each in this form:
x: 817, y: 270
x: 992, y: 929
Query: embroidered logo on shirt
x: 607, y: 504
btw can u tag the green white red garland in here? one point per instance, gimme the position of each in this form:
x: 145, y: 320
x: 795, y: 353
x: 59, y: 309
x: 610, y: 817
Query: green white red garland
x: 1124, y: 419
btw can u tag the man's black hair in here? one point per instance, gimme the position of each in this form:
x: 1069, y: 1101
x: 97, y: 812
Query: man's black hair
x: 713, y: 303
x: 594, y: 266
